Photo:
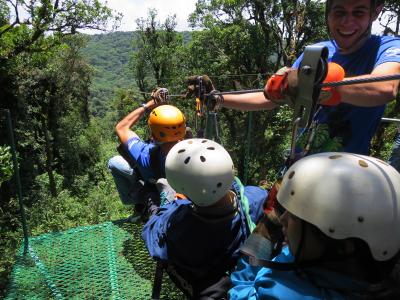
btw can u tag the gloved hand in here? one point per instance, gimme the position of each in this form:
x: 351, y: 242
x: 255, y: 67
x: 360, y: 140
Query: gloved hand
x: 167, y: 193
x: 160, y: 95
x: 329, y: 95
x: 281, y: 87
x: 212, y: 101
x: 193, y: 85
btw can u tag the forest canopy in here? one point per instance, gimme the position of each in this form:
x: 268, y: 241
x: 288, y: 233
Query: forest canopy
x: 66, y: 91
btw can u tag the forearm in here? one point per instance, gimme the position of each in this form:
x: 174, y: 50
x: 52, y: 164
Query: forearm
x: 248, y: 102
x: 368, y: 94
x: 123, y: 128
x: 375, y: 93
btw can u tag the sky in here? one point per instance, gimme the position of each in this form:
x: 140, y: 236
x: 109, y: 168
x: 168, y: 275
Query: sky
x: 133, y: 9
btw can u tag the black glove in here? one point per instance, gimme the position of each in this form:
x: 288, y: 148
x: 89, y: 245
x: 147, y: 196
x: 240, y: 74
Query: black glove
x: 160, y: 95
x: 212, y: 101
x: 193, y: 85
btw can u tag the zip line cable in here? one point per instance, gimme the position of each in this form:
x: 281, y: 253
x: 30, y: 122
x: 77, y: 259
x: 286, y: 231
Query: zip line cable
x: 322, y: 85
x: 326, y: 84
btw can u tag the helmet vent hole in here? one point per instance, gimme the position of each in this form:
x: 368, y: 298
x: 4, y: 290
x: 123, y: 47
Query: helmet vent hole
x: 331, y: 230
x: 202, y: 158
x: 292, y: 193
x: 385, y: 252
x: 181, y: 151
x: 204, y: 141
x: 162, y: 134
x: 291, y: 175
x: 173, y: 127
x: 166, y: 127
x: 363, y: 163
x: 211, y: 148
x: 187, y: 160
x: 214, y: 192
x: 219, y: 184
x: 360, y: 219
x: 335, y: 156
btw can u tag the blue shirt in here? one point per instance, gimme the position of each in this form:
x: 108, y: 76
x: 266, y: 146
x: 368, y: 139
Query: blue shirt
x: 200, y: 248
x: 251, y: 282
x: 347, y: 127
x: 140, y: 151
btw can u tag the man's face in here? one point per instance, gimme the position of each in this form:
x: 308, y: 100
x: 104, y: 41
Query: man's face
x: 349, y: 21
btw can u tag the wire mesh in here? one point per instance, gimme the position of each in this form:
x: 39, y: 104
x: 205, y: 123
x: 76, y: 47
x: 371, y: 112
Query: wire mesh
x: 104, y: 261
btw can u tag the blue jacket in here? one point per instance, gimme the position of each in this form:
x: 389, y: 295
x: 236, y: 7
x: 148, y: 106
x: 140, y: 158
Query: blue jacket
x: 200, y: 248
x: 251, y: 282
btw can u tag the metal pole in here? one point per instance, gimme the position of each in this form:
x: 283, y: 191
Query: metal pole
x: 17, y: 178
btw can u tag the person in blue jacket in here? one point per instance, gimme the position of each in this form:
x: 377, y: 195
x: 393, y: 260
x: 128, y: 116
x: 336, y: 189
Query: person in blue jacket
x: 199, y: 237
x: 348, y: 115
x: 340, y: 214
x: 143, y: 163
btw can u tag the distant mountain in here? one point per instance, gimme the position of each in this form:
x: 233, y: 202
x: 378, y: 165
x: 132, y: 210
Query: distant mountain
x: 109, y: 54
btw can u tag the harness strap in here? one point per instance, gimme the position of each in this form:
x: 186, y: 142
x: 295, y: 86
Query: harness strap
x: 155, y: 163
x: 245, y: 205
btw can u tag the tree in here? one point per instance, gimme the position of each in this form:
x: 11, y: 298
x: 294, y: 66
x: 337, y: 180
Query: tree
x: 389, y: 18
x: 287, y: 25
x: 155, y: 61
x: 19, y: 34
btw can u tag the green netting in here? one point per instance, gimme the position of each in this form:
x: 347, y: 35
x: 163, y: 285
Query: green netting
x: 104, y: 261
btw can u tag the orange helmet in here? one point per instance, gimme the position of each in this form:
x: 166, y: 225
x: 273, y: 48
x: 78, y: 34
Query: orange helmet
x: 167, y: 124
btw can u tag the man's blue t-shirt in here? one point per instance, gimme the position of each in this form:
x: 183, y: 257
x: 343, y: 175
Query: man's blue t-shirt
x: 346, y: 127
x: 140, y: 151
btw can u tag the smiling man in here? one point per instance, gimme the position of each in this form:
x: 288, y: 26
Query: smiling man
x: 347, y: 121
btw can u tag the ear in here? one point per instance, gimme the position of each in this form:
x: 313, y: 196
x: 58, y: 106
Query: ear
x: 377, y: 11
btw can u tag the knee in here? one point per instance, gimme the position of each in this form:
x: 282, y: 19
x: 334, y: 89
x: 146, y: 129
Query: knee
x: 116, y: 162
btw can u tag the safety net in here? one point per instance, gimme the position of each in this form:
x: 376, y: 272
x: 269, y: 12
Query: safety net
x: 104, y: 261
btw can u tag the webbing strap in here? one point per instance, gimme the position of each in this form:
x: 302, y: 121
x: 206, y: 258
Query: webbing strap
x: 245, y: 205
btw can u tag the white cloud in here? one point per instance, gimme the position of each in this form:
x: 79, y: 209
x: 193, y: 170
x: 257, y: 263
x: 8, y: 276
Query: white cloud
x: 133, y: 9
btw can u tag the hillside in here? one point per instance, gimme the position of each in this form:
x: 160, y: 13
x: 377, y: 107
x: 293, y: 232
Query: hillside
x: 109, y: 54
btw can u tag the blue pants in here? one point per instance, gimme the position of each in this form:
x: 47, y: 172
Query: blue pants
x: 394, y: 159
x: 124, y: 178
x: 131, y: 189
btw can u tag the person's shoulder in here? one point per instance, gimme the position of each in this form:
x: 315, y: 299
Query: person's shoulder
x: 387, y: 38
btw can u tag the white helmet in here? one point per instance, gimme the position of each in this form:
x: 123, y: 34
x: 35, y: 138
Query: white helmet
x: 201, y: 169
x: 347, y: 196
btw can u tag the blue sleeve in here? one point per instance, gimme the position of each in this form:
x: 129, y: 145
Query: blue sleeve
x: 140, y: 151
x: 296, y: 64
x: 256, y: 196
x: 389, y: 50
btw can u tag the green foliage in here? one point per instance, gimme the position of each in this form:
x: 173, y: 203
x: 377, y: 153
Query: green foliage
x: 66, y: 96
x: 109, y: 56
x: 6, y: 167
x: 156, y: 42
